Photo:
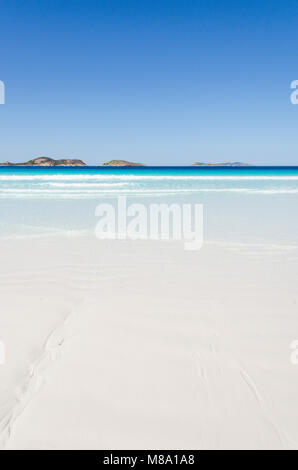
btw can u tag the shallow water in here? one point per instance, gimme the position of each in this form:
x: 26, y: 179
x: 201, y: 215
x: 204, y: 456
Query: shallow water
x: 241, y: 205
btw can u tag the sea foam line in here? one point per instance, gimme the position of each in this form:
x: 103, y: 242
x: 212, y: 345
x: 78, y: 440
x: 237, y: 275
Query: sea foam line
x: 88, y: 184
x: 101, y: 177
x: 65, y: 190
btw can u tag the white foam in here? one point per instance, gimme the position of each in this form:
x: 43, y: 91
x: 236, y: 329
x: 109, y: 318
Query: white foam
x: 87, y: 185
x: 89, y: 193
x: 96, y: 177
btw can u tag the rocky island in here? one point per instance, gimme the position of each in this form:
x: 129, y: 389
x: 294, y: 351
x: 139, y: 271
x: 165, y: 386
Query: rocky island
x: 45, y: 161
x: 121, y: 163
x: 220, y: 164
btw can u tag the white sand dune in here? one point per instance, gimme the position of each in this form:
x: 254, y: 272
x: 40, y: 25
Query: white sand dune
x: 127, y: 345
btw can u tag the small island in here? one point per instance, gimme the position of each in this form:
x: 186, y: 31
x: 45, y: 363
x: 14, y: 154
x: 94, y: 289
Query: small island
x: 220, y: 164
x: 121, y: 163
x: 45, y: 161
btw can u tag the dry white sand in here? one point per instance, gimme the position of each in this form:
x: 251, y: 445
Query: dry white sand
x: 127, y: 345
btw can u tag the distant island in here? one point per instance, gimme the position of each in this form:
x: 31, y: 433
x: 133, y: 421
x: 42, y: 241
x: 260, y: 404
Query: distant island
x: 121, y: 163
x: 45, y: 161
x: 221, y: 164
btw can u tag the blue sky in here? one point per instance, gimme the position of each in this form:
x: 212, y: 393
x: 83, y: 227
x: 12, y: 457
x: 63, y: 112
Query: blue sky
x: 155, y: 81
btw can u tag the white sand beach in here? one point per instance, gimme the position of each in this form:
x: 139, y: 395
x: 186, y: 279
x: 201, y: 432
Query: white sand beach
x: 142, y: 345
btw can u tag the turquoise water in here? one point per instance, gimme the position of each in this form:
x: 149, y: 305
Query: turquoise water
x: 247, y: 204
x: 91, y: 182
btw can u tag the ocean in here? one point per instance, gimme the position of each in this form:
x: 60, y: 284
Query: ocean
x: 241, y: 204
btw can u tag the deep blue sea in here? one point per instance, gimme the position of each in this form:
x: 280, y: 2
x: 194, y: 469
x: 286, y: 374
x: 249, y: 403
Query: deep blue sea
x: 241, y: 204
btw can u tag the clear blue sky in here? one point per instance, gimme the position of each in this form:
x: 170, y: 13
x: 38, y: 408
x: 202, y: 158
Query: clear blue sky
x: 156, y: 81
